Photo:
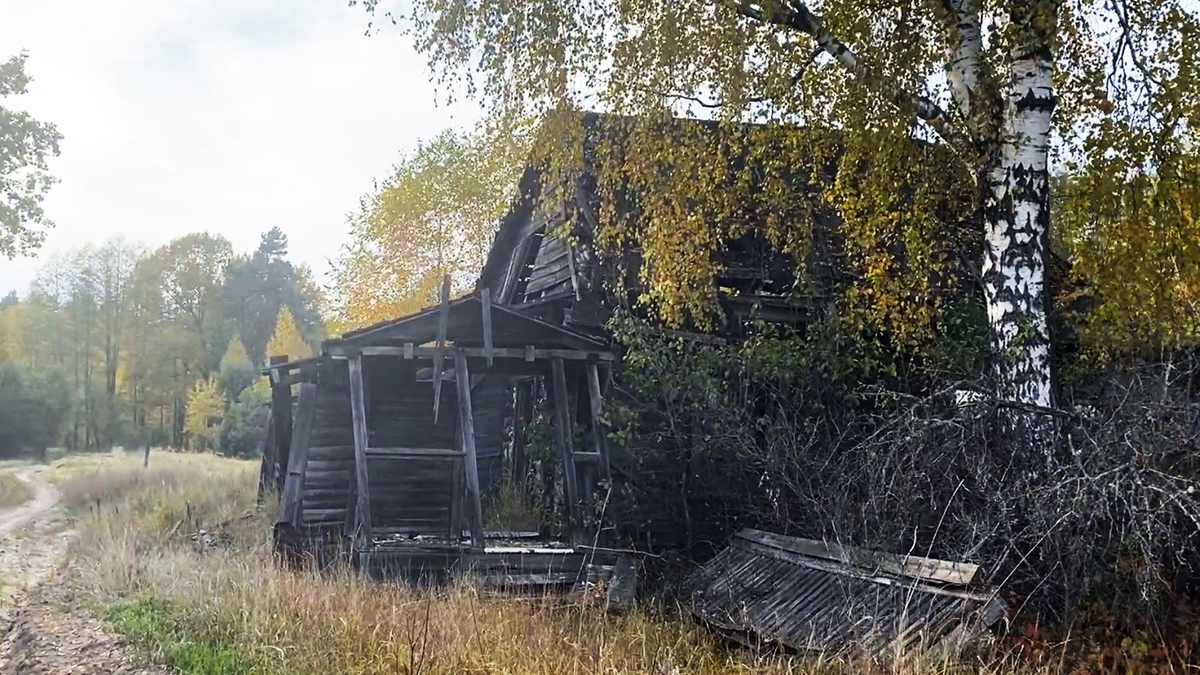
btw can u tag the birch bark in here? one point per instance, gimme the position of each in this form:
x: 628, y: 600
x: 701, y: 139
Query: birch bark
x: 1016, y: 214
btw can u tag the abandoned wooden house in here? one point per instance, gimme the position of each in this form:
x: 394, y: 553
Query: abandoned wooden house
x: 398, y: 432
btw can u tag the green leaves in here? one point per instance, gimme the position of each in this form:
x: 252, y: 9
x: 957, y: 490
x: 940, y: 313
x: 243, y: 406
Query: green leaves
x: 25, y: 148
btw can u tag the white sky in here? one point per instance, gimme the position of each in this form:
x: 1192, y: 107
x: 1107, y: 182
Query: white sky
x: 227, y: 116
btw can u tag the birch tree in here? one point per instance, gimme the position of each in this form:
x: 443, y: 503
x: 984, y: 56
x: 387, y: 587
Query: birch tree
x: 1008, y: 88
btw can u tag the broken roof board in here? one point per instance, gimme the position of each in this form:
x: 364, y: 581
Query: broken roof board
x: 777, y: 595
x: 464, y: 327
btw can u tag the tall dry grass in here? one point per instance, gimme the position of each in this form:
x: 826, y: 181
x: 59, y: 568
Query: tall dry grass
x: 135, y: 544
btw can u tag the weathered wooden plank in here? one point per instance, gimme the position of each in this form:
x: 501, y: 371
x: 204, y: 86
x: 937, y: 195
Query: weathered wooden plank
x: 281, y: 406
x: 457, y: 498
x: 599, y: 427
x: 564, y: 432
x: 293, y: 486
x: 487, y: 326
x: 552, y: 278
x: 323, y: 515
x: 440, y: 348
x: 467, y: 425
x: 401, y: 453
x: 925, y: 569
x: 362, y: 481
x: 498, y: 352
x: 555, y: 260
x: 331, y: 451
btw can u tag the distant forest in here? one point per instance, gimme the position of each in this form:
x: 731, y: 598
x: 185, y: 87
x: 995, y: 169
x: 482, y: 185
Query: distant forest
x: 116, y: 345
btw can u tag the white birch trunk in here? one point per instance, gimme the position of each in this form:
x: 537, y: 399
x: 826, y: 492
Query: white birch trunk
x: 1017, y: 219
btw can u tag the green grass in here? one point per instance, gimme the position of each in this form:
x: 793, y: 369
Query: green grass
x: 165, y: 633
x: 13, y: 490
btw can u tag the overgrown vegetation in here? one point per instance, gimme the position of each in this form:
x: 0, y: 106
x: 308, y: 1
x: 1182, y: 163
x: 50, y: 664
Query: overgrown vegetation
x: 231, y: 602
x: 220, y: 604
x: 13, y: 490
x: 834, y: 438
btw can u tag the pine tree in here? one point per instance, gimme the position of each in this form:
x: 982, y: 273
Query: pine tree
x: 237, y: 372
x: 286, y: 341
x: 205, y: 408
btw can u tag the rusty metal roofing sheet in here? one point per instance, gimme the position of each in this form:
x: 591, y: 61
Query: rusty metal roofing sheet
x: 767, y: 593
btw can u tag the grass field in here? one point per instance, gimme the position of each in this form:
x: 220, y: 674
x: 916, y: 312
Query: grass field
x: 13, y: 490
x: 230, y: 609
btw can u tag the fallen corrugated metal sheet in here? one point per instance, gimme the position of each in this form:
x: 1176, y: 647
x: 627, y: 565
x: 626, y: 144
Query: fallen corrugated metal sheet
x: 768, y: 588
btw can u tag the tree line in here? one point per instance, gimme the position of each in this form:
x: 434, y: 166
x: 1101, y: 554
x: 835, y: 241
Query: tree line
x: 117, y: 345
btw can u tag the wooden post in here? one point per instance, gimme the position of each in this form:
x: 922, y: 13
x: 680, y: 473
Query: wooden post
x: 466, y: 419
x: 443, y: 323
x: 456, y: 498
x: 293, y: 485
x: 487, y: 325
x: 281, y: 416
x: 520, y: 417
x: 362, y: 530
x: 599, y: 429
x: 563, y: 426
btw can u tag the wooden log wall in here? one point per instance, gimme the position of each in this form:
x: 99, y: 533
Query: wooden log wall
x: 330, y: 467
x: 407, y: 494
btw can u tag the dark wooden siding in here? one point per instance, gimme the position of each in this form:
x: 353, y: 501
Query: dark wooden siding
x: 331, y: 451
x: 411, y: 494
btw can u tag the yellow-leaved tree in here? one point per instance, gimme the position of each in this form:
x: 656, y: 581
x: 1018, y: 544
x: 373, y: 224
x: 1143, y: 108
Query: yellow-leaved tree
x: 205, y: 408
x: 286, y: 340
x: 435, y: 215
x: 1133, y: 233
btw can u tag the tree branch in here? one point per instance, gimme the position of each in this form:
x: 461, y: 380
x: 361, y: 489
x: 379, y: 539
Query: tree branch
x: 794, y: 14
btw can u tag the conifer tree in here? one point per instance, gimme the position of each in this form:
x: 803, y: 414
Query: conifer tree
x: 204, y: 412
x: 286, y: 340
x: 236, y: 372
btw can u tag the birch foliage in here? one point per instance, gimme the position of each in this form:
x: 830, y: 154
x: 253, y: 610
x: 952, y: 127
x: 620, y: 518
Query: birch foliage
x: 1009, y: 90
x: 435, y: 215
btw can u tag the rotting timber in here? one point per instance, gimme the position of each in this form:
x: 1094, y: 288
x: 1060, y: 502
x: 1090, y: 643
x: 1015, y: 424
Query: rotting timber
x: 397, y: 430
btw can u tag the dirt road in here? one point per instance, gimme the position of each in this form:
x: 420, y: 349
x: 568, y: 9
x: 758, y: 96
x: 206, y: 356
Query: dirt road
x: 45, y: 630
x: 45, y: 496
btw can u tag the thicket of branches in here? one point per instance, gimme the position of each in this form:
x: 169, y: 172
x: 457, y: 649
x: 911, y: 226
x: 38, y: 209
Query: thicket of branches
x: 786, y: 434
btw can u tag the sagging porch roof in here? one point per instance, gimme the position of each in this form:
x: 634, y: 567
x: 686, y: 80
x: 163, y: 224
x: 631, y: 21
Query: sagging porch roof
x: 465, y: 327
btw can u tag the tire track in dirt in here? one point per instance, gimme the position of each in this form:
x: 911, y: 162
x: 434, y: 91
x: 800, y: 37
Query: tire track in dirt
x: 44, y: 631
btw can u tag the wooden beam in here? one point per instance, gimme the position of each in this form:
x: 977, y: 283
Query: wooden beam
x: 362, y: 529
x: 440, y: 348
x: 487, y: 325
x: 925, y: 569
x: 564, y: 428
x: 281, y: 417
x: 466, y: 419
x: 293, y: 485
x: 399, y: 453
x: 528, y: 353
x: 599, y: 428
x: 457, y: 494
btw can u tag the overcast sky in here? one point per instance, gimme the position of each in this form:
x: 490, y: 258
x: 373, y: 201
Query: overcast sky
x: 230, y: 116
